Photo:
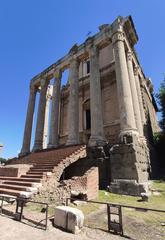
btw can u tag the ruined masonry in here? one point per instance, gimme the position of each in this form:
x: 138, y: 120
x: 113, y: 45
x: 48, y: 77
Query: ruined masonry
x: 101, y: 123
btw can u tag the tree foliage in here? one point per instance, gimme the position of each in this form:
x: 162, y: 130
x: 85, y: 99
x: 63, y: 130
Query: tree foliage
x: 161, y: 100
x: 3, y: 160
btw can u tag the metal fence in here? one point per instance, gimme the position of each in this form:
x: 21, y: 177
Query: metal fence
x: 125, y: 220
x: 28, y: 211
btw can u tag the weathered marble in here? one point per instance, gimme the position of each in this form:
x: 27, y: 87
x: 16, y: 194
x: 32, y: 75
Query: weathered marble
x: 38, y: 142
x: 29, y: 121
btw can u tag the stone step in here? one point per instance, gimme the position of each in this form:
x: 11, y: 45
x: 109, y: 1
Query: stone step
x: 17, y: 187
x: 25, y: 184
x: 22, y: 179
x: 43, y: 161
x: 32, y: 176
x: 35, y: 173
x: 39, y: 170
x: 43, y: 166
x: 15, y: 193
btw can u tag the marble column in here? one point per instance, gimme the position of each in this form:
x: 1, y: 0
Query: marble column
x: 135, y: 98
x: 38, y: 142
x: 46, y: 123
x: 127, y: 118
x: 73, y: 108
x: 29, y: 122
x: 54, y: 122
x: 97, y: 131
x: 137, y: 81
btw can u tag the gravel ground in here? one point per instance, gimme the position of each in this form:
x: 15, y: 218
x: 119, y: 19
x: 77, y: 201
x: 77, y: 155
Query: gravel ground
x: 11, y: 229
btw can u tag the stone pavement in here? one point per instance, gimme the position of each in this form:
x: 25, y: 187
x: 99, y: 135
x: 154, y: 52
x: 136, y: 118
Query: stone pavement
x: 14, y: 230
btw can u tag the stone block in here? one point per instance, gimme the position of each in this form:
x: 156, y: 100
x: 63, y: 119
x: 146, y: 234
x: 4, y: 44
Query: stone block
x: 69, y: 219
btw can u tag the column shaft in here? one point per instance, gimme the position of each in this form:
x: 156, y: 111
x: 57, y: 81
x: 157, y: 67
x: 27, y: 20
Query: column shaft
x: 127, y: 119
x: 38, y: 143
x: 54, y: 125
x: 97, y: 131
x: 135, y: 99
x: 137, y: 81
x: 46, y: 123
x: 29, y: 122
x: 73, y: 108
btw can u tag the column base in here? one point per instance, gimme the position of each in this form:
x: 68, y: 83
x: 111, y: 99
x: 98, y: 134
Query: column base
x: 129, y: 167
x: 50, y: 145
x: 37, y: 146
x: 23, y: 153
x: 128, y: 135
x: 72, y: 142
x: 128, y: 187
x: 96, y: 141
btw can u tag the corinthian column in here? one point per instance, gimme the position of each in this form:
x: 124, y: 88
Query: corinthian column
x: 127, y: 118
x: 97, y: 131
x: 46, y: 123
x: 54, y: 124
x: 137, y: 81
x: 73, y: 108
x: 29, y: 122
x: 135, y: 99
x: 38, y: 142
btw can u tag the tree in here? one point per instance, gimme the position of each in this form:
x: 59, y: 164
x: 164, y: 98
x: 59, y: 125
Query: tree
x: 3, y: 160
x: 160, y: 138
x: 161, y: 100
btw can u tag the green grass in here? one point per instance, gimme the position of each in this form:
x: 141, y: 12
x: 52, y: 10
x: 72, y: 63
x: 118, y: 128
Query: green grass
x: 156, y: 202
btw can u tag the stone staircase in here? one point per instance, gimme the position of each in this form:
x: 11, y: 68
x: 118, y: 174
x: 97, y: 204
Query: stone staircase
x: 43, y: 164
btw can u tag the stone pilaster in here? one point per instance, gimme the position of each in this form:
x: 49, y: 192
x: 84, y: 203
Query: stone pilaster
x: 97, y: 131
x: 73, y: 108
x: 135, y: 99
x: 54, y: 124
x: 46, y: 123
x: 127, y: 118
x: 38, y: 142
x: 137, y: 81
x: 29, y: 122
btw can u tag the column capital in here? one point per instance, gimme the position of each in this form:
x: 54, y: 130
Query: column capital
x: 57, y: 74
x: 129, y: 55
x: 136, y: 70
x: 74, y: 61
x: 93, y: 51
x: 118, y: 36
x: 43, y: 82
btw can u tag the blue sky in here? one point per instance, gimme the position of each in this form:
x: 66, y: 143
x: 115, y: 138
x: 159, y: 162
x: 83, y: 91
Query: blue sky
x: 35, y: 33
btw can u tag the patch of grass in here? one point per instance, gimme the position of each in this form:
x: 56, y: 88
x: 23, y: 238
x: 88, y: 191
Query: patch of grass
x: 156, y: 202
x: 34, y: 207
x: 88, y: 208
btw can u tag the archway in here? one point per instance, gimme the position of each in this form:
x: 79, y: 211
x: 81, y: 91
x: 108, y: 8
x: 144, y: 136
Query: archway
x: 86, y: 120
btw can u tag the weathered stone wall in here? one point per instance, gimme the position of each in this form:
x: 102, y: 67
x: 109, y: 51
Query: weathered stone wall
x: 129, y: 168
x: 59, y: 191
x: 150, y: 112
x: 14, y: 170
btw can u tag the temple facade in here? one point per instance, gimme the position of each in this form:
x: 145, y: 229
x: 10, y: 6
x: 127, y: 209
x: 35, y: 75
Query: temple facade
x: 107, y: 101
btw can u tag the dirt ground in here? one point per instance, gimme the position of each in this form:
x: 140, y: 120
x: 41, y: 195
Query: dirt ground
x: 136, y: 225
x: 11, y: 229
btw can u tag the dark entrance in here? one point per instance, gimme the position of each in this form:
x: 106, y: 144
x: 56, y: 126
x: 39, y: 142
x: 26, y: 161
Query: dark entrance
x: 88, y: 119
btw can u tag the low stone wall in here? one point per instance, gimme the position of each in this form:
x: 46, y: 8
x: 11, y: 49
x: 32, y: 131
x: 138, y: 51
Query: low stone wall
x: 14, y: 170
x: 53, y: 190
x: 87, y: 184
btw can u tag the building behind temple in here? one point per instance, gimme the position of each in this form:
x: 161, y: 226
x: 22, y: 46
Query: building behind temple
x: 106, y: 104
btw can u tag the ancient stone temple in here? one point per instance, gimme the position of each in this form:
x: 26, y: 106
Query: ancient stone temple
x: 106, y: 103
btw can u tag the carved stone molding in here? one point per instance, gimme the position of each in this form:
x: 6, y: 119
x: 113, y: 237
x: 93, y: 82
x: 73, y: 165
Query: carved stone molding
x: 129, y: 56
x: 118, y: 36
